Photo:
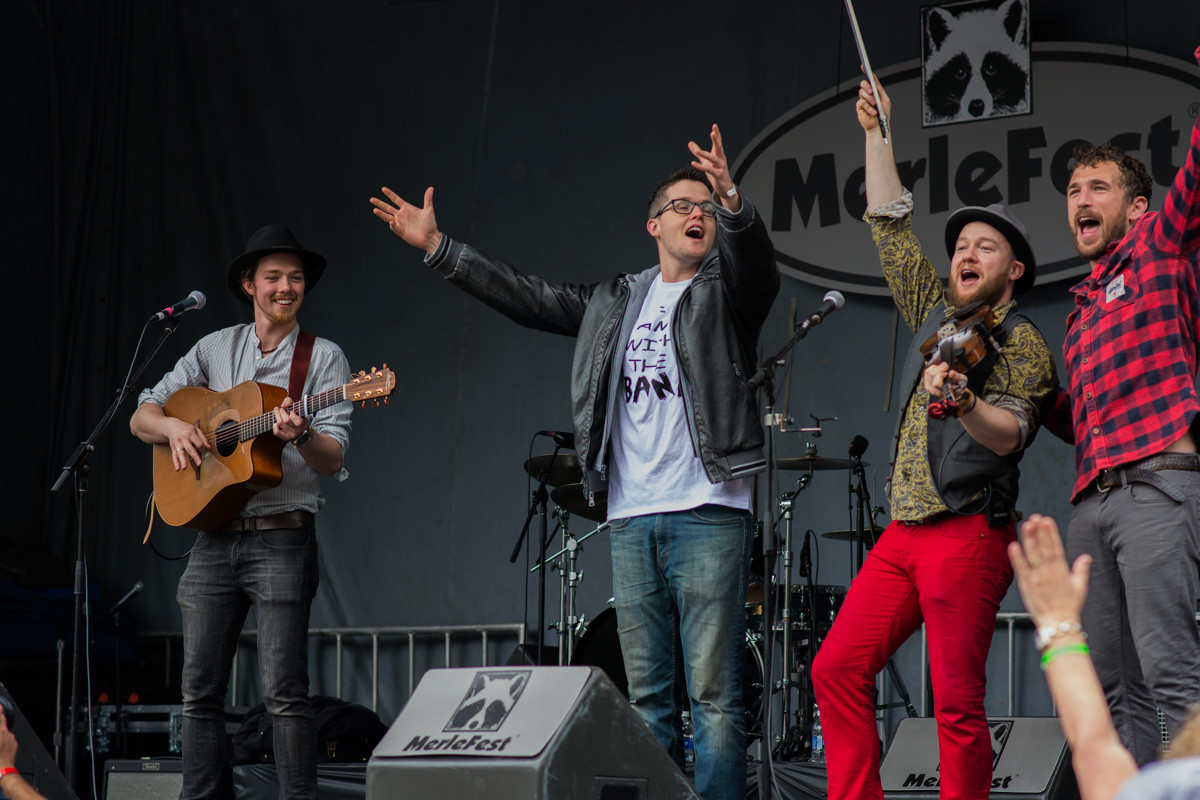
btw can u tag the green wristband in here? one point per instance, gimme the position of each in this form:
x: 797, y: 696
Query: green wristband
x: 1055, y: 652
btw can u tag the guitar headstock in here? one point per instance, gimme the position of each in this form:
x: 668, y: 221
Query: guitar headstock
x: 375, y: 385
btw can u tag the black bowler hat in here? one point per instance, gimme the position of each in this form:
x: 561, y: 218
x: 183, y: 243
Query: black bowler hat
x: 1003, y: 220
x: 274, y: 239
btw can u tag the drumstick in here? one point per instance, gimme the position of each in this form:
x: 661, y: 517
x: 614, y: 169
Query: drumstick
x: 866, y: 63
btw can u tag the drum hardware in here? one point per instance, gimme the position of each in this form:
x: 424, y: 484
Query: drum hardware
x: 557, y: 466
x: 571, y: 626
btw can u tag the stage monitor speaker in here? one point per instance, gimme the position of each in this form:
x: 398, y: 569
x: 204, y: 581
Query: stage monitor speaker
x: 1030, y: 760
x: 33, y: 762
x: 521, y: 733
x: 143, y: 779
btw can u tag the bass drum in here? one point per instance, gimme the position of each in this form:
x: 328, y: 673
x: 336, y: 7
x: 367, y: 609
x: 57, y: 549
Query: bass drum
x: 600, y: 646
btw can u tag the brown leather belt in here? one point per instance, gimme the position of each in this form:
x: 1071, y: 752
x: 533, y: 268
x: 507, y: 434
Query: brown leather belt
x: 1144, y: 472
x: 285, y: 519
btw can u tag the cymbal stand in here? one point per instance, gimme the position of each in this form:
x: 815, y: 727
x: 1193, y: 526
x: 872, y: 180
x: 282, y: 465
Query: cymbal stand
x: 785, y: 683
x: 537, y: 505
x: 570, y: 626
x: 568, y: 581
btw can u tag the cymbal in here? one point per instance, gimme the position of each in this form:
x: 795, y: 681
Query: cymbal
x: 563, y: 471
x: 814, y: 462
x: 849, y: 536
x: 573, y: 498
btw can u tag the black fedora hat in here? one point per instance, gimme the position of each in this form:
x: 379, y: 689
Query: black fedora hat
x: 1003, y: 220
x: 274, y: 239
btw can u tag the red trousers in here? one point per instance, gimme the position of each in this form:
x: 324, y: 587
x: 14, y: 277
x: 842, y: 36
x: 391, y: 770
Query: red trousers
x: 952, y: 574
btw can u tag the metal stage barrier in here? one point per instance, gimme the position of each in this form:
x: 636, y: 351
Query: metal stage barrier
x: 426, y: 639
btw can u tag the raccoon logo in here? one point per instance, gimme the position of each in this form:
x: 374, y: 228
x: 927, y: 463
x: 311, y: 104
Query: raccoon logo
x: 489, y: 700
x: 975, y: 61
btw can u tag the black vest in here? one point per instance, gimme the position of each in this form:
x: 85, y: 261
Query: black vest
x: 962, y: 467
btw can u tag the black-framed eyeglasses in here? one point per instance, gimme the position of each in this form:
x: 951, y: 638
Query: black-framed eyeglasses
x: 684, y: 207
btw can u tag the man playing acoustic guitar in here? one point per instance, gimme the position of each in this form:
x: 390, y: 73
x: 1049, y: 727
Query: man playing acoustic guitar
x: 267, y: 554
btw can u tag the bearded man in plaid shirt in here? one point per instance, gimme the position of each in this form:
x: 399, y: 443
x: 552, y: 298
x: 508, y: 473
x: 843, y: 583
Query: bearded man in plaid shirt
x: 1131, y: 357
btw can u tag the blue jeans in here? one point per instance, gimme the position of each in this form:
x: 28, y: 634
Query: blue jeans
x: 680, y: 580
x: 277, y: 572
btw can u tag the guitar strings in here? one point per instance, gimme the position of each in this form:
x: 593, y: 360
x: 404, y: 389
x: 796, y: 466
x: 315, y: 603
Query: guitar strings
x: 256, y: 426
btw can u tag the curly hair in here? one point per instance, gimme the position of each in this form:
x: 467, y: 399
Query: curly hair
x: 1135, y: 179
x: 658, y: 196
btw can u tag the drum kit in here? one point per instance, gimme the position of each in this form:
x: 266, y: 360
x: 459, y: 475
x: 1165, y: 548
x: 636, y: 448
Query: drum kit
x: 801, y: 614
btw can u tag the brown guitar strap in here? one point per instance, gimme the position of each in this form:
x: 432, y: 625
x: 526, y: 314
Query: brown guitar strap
x: 301, y: 355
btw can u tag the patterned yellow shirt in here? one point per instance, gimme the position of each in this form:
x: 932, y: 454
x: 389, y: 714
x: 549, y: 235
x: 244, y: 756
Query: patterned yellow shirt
x: 1022, y: 378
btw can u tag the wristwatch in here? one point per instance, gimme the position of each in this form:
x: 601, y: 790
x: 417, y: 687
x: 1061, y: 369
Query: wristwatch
x: 303, y: 439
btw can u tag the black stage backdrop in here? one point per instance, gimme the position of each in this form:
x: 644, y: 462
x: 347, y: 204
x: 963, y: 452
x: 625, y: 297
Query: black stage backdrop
x: 145, y: 141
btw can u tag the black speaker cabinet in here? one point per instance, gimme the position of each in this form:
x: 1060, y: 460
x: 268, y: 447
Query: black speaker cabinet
x: 525, y: 733
x: 143, y: 779
x: 1030, y: 760
x: 33, y: 762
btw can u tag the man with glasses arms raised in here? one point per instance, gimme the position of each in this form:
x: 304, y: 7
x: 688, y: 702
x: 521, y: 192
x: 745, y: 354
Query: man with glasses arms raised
x: 665, y: 423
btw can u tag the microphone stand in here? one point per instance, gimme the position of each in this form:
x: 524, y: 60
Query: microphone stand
x: 764, y: 378
x: 77, y: 466
x: 537, y: 505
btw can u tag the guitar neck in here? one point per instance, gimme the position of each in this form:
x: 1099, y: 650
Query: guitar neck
x: 257, y: 426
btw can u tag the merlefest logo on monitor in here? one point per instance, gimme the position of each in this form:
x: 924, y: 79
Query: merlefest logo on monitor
x: 474, y: 726
x: 804, y: 172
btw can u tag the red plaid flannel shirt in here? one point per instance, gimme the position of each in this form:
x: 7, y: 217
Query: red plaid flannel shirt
x: 1131, y: 344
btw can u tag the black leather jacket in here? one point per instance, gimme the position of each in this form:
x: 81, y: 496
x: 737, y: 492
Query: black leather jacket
x: 717, y: 324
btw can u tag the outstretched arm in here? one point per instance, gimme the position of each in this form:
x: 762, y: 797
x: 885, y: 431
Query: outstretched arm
x: 882, y: 178
x: 417, y: 226
x: 1054, y: 597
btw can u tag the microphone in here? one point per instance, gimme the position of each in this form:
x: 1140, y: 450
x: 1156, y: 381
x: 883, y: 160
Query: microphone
x: 561, y: 438
x: 137, y: 587
x: 194, y: 300
x: 832, y: 302
x: 858, y: 446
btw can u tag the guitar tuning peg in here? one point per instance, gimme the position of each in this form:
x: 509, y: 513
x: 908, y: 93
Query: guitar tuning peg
x: 364, y: 404
x: 362, y: 373
x: 385, y: 401
x: 375, y: 403
x: 372, y: 370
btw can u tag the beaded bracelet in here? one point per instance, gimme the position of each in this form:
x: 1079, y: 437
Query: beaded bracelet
x: 1055, y: 652
x: 1048, y: 633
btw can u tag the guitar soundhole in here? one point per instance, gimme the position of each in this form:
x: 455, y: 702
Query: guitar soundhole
x: 226, y: 438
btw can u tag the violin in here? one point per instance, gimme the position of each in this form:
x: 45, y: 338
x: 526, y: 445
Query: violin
x: 964, y: 341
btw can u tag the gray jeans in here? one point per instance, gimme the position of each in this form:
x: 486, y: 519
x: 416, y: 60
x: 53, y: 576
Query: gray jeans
x: 1140, y: 615
x: 276, y: 571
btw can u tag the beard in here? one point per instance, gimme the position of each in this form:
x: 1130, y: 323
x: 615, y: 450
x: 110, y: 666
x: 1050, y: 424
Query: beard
x: 988, y: 290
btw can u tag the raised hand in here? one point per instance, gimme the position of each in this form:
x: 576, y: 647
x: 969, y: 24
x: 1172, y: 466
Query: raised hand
x: 417, y: 226
x: 867, y: 106
x: 1052, y: 594
x: 716, y: 167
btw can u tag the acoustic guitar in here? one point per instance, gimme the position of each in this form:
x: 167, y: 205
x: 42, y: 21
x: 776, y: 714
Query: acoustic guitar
x: 240, y: 461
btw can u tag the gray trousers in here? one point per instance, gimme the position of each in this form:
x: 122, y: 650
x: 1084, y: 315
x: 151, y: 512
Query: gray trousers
x: 1140, y: 614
